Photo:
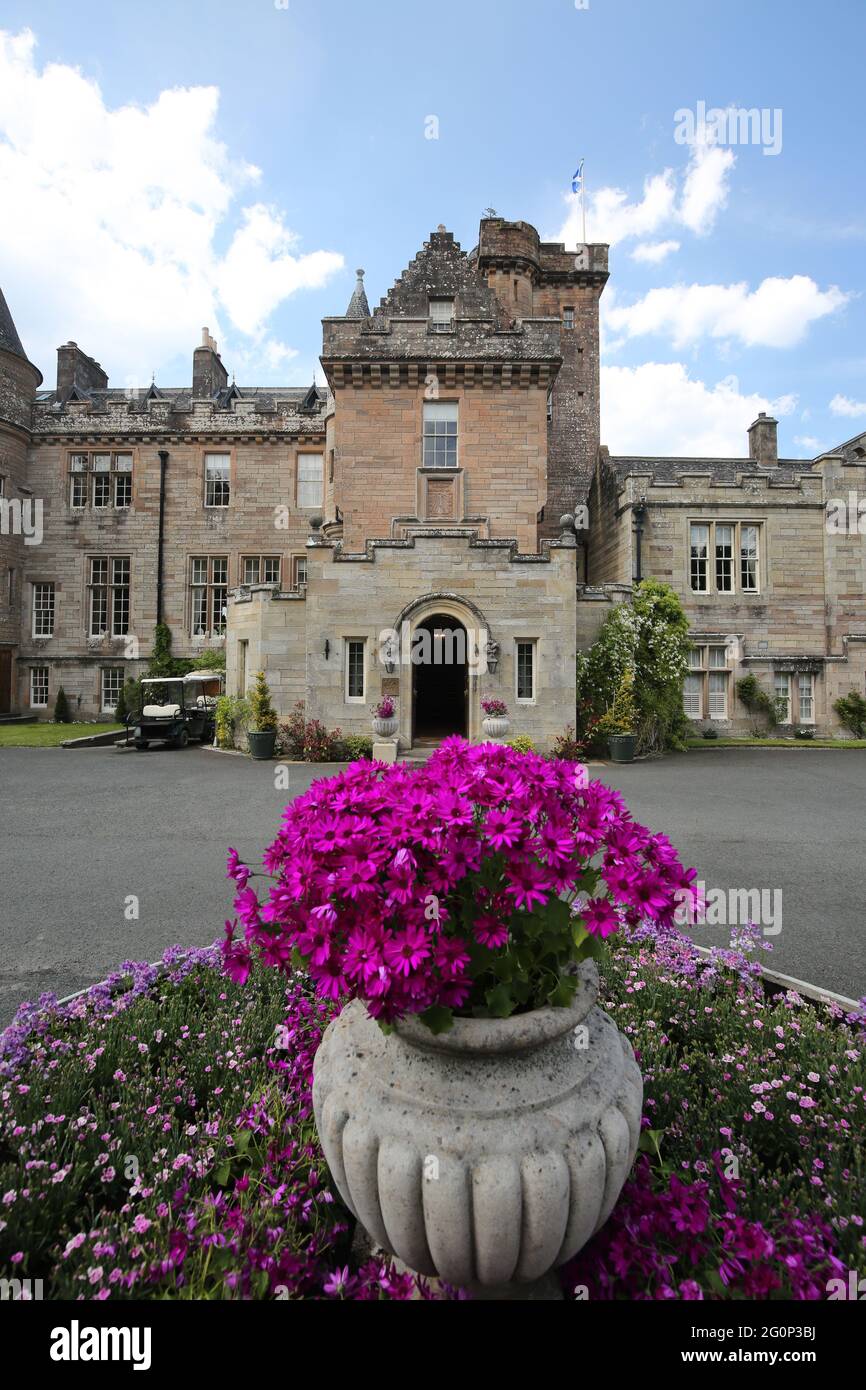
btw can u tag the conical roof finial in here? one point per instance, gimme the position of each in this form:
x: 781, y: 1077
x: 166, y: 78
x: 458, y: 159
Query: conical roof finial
x: 9, y: 340
x: 358, y: 306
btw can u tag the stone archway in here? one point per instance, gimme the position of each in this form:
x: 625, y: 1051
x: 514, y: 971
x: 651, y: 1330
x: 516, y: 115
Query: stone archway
x: 450, y: 612
x: 440, y: 678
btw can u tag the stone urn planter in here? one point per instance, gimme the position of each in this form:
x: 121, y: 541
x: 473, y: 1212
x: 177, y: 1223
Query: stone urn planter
x: 385, y: 728
x: 486, y: 1155
x: 495, y: 727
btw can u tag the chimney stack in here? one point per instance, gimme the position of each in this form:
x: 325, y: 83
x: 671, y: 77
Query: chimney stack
x: 763, y: 442
x: 76, y: 369
x: 208, y: 373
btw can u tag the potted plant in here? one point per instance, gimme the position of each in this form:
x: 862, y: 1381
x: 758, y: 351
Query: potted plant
x: 495, y: 722
x: 618, y: 725
x: 262, y: 734
x: 478, y: 1110
x: 385, y: 717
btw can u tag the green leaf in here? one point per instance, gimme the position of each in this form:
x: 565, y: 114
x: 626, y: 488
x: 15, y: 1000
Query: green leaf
x: 500, y: 1002
x: 438, y: 1019
x: 579, y: 932
x: 562, y: 995
x: 557, y: 915
x: 242, y: 1140
x: 222, y: 1173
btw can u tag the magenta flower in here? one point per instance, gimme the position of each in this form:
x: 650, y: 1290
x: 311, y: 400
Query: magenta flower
x: 404, y: 886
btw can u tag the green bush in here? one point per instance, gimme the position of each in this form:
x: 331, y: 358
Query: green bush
x: 307, y: 740
x: 710, y: 732
x: 759, y: 703
x: 805, y: 735
x: 355, y: 746
x: 851, y: 710
x: 61, y: 708
x: 522, y: 742
x: 649, y: 637
x: 263, y: 716
x: 162, y: 663
x: 622, y: 717
x: 232, y: 715
x: 568, y: 747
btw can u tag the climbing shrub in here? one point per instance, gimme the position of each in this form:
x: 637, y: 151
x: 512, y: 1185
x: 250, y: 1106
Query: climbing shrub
x: 648, y: 636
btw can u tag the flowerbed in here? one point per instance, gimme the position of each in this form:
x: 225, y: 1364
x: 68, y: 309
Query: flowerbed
x: 752, y: 1183
x: 231, y: 1198
x: 158, y: 1142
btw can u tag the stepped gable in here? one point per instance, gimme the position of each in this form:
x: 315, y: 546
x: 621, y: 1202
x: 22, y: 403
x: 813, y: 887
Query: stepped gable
x: 442, y: 269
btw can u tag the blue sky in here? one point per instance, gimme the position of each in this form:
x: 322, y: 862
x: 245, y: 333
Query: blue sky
x: 173, y: 166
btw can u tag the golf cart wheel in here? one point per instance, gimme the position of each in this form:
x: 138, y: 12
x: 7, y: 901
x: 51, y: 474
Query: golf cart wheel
x: 142, y: 745
x: 181, y: 739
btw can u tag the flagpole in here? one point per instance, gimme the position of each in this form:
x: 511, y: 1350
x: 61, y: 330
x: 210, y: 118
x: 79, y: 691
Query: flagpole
x: 583, y: 198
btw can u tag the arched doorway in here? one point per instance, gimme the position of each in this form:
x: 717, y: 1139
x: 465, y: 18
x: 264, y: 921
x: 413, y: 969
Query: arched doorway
x: 440, y: 678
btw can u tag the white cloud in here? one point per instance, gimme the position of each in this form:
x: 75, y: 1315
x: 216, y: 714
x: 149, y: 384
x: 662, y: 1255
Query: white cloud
x: 808, y: 441
x: 695, y: 204
x: 776, y: 314
x: 654, y: 252
x: 706, y: 186
x: 843, y: 405
x: 657, y: 408
x: 117, y: 216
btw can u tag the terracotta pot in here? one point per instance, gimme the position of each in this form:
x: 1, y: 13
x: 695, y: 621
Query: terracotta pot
x: 486, y: 1155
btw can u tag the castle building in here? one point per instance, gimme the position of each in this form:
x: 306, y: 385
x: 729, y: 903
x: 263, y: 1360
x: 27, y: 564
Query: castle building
x: 409, y: 529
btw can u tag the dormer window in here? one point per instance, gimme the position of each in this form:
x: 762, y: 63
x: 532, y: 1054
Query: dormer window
x: 441, y: 315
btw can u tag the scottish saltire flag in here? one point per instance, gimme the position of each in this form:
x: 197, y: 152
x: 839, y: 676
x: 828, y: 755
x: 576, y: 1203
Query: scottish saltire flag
x: 577, y: 181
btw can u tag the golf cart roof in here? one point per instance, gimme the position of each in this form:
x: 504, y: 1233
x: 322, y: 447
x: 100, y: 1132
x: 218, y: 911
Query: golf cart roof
x: 182, y: 680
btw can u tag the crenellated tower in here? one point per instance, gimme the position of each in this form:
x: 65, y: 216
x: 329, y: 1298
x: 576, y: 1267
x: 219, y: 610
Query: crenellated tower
x: 536, y: 279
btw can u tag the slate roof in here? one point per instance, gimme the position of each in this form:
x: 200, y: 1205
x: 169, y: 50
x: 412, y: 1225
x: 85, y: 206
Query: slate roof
x: 180, y: 397
x: 9, y: 340
x: 723, y: 470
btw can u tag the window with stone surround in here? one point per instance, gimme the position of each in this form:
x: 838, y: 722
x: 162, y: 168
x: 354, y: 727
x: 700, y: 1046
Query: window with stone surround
x: 441, y: 315
x: 103, y: 477
x: 707, y: 689
x: 260, y: 569
x: 208, y: 584
x: 568, y: 319
x: 356, y: 673
x: 440, y: 434
x: 111, y: 684
x: 217, y: 487
x: 525, y: 671
x: 724, y: 557
x: 38, y: 687
x: 310, y: 480
x: 43, y: 610
x: 108, y: 588
x: 299, y: 571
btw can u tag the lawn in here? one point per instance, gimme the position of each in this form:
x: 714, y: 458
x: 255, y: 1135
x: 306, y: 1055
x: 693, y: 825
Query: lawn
x: 47, y: 735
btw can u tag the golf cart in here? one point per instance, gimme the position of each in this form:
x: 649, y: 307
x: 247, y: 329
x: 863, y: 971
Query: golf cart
x: 175, y: 709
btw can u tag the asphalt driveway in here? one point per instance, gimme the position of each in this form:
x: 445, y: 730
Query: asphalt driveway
x: 83, y: 832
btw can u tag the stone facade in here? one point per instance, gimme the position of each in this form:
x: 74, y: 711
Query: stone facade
x: 799, y: 622
x: 422, y: 491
